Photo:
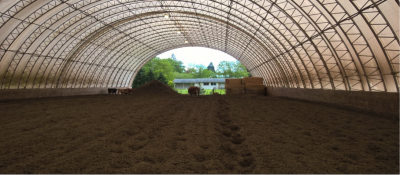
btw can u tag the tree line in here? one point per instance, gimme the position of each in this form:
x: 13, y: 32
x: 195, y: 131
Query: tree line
x: 166, y: 70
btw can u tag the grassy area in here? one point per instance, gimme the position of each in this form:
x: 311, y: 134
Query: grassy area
x: 208, y: 91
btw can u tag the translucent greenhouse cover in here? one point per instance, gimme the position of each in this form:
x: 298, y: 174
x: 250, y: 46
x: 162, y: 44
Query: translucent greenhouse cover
x: 317, y: 44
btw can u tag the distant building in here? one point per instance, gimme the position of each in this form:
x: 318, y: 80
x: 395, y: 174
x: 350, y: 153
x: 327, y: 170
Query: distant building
x: 173, y: 56
x: 206, y: 83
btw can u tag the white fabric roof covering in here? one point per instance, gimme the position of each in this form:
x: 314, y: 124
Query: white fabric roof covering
x: 318, y: 44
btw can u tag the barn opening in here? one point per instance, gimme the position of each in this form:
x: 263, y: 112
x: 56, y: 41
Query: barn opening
x: 192, y: 66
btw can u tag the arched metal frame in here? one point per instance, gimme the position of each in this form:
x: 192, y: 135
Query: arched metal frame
x: 317, y: 44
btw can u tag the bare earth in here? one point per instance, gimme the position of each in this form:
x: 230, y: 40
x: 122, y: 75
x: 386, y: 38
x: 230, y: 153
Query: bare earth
x: 150, y: 132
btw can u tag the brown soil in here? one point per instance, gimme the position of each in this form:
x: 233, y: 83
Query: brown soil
x: 154, y: 87
x: 146, y: 132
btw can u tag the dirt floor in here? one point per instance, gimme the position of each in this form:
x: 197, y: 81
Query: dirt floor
x: 156, y: 130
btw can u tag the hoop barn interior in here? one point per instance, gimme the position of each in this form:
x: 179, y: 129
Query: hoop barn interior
x: 323, y: 51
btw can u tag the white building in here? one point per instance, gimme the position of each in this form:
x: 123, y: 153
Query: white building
x: 206, y: 83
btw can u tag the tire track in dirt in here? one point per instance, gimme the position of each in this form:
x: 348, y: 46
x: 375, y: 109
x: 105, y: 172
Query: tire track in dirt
x: 189, y: 143
x: 167, y: 134
x: 152, y: 126
x: 241, y: 159
x: 204, y: 151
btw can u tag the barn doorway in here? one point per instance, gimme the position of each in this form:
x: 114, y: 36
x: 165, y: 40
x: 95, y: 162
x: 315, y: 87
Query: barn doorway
x: 192, y: 66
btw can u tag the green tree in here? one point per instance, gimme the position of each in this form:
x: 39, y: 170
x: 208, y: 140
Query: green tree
x: 239, y: 70
x: 139, y: 79
x: 200, y: 71
x: 165, y: 67
x: 209, y: 74
x: 150, y: 76
x: 171, y: 84
x: 177, y: 65
x: 248, y: 72
x: 232, y: 69
x: 162, y: 78
x: 190, y: 70
x: 158, y: 66
x: 225, y: 69
x: 183, y: 75
x: 211, y: 67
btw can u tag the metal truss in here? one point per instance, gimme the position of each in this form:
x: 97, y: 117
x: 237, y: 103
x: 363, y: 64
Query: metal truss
x: 315, y: 44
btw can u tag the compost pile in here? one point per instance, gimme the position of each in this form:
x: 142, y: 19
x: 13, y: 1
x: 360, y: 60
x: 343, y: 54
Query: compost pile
x: 154, y: 87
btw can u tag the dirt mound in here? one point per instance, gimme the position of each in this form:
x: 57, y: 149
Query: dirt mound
x: 154, y: 87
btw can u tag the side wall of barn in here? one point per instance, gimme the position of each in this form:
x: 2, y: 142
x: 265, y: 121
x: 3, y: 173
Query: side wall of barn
x: 6, y: 94
x: 375, y: 102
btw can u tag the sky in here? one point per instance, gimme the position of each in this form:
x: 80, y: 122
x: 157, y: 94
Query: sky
x: 198, y: 55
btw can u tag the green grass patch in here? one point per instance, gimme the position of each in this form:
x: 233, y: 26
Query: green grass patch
x: 207, y: 91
